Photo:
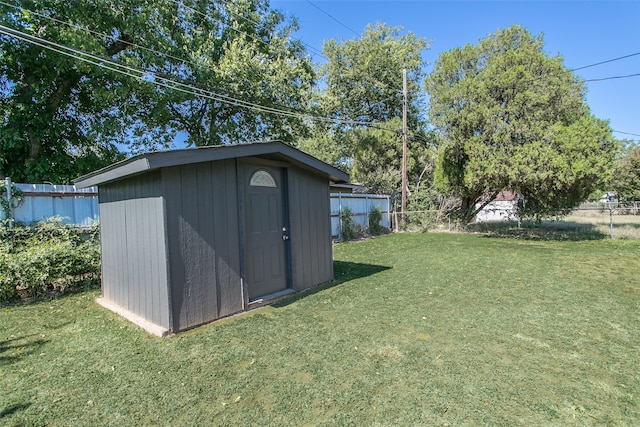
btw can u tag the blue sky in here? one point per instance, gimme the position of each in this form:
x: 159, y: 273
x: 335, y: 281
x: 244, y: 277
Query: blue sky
x: 583, y: 32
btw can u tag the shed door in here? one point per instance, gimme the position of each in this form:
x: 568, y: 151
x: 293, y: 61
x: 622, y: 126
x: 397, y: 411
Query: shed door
x: 266, y: 231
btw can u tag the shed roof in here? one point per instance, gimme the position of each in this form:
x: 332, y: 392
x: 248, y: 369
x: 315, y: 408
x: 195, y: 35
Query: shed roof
x: 275, y: 150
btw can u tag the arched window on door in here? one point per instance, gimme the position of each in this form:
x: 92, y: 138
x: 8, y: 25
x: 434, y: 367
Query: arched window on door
x: 262, y: 178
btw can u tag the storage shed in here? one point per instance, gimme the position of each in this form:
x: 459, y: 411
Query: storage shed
x: 190, y: 236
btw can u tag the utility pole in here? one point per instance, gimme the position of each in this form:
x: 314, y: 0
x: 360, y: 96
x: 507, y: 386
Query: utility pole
x: 404, y: 146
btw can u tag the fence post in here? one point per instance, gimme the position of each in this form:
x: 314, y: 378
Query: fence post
x: 339, y: 216
x: 7, y: 181
x: 366, y: 215
x: 395, y: 220
x: 611, y: 219
x: 389, y: 212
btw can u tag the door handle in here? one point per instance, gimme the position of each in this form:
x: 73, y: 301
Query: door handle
x: 285, y: 237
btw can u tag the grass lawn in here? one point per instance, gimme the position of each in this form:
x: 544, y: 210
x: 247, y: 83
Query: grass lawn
x: 624, y: 226
x: 417, y: 329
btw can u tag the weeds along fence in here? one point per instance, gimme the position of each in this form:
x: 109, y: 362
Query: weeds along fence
x: 360, y: 206
x: 616, y: 220
x: 589, y: 221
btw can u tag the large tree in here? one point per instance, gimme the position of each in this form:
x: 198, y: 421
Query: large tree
x: 62, y: 117
x: 363, y: 76
x: 511, y: 117
x: 362, y: 91
x: 625, y: 176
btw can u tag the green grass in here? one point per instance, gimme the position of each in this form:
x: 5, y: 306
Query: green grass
x: 417, y: 329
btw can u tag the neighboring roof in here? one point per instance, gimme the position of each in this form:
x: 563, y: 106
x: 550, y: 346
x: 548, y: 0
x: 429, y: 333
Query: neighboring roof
x: 506, y: 196
x: 149, y: 161
x: 348, y: 188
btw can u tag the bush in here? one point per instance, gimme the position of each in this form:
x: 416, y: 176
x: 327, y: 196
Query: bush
x: 48, y: 257
x: 348, y: 230
x: 422, y: 221
x: 375, y: 217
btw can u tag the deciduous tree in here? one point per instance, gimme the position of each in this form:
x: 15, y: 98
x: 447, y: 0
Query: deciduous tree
x: 363, y: 75
x: 212, y: 71
x: 625, y: 177
x: 363, y: 83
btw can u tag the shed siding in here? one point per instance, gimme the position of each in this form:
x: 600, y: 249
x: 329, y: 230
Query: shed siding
x: 230, y: 296
x: 134, y: 269
x: 310, y: 222
x: 202, y: 224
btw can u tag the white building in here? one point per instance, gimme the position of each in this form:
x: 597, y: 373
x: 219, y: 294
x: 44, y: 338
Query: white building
x: 503, y: 208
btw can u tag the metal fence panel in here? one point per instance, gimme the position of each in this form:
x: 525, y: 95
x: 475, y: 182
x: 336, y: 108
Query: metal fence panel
x: 72, y: 205
x: 360, y: 205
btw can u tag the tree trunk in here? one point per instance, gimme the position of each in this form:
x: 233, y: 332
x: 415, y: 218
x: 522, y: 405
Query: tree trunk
x: 466, y: 209
x: 53, y: 103
x: 472, y: 205
x: 63, y: 91
x: 35, y: 147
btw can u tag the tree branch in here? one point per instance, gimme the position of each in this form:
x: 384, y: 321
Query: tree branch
x: 63, y: 89
x: 484, y: 203
x: 119, y: 45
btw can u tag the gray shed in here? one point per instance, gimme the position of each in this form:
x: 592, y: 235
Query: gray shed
x: 190, y: 236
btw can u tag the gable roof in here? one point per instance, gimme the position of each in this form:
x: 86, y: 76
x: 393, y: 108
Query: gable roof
x: 275, y: 150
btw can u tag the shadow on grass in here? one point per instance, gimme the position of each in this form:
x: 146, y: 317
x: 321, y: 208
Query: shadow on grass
x: 12, y: 350
x: 544, y: 230
x: 626, y: 224
x: 10, y: 410
x: 343, y: 271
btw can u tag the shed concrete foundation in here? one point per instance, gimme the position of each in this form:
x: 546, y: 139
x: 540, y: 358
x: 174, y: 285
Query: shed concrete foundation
x: 152, y: 328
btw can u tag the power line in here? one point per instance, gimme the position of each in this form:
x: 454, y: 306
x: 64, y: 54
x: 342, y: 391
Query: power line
x: 97, y: 33
x: 131, y: 71
x: 314, y: 50
x: 626, y: 133
x: 307, y: 45
x: 607, y: 61
x: 251, y: 21
x: 148, y: 76
x: 339, y: 22
x: 106, y: 36
x: 613, y: 78
x: 559, y: 73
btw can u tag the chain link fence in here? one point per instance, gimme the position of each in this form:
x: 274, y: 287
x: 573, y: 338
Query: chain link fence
x: 589, y: 221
